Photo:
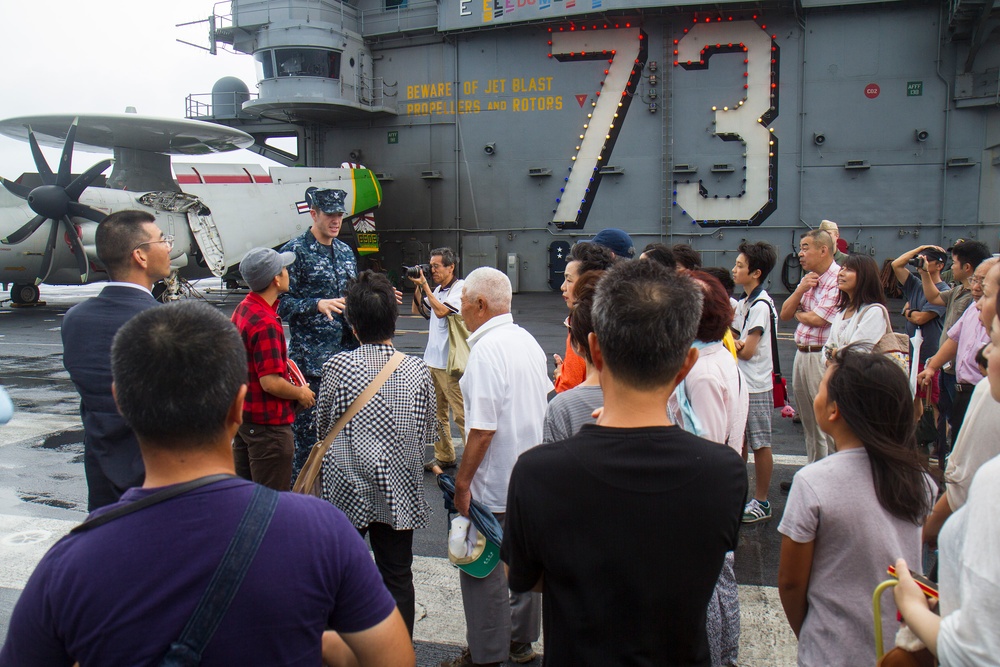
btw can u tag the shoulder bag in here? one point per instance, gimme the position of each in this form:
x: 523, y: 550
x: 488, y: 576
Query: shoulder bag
x: 894, y: 345
x: 309, y: 481
x: 779, y: 387
x: 458, y: 345
x: 187, y: 650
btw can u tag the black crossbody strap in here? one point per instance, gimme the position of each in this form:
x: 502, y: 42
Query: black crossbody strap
x: 151, y: 499
x: 775, y: 362
x: 225, y: 581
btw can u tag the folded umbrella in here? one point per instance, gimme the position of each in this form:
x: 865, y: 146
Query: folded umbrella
x: 482, y: 518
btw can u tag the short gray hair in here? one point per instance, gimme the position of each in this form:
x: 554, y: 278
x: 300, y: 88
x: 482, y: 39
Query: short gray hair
x: 646, y: 317
x: 447, y: 256
x: 822, y: 238
x: 490, y: 285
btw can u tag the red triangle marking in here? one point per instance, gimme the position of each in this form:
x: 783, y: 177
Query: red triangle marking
x: 581, y: 99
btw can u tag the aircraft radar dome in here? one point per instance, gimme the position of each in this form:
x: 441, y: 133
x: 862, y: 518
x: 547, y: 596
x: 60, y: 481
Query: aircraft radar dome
x: 228, y: 95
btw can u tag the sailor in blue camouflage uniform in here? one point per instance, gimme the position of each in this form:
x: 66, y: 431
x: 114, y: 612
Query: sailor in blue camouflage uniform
x: 314, y: 304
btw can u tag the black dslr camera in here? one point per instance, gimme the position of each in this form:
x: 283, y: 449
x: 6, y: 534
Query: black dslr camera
x: 918, y: 262
x: 414, y: 271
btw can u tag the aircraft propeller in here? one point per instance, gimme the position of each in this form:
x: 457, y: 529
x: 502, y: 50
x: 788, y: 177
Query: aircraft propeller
x: 57, y: 200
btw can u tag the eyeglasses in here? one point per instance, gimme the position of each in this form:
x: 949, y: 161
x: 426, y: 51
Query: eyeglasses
x: 167, y: 238
x: 977, y: 280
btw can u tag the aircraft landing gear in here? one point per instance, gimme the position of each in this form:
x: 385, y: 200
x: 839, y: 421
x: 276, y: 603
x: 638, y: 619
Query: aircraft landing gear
x: 24, y: 295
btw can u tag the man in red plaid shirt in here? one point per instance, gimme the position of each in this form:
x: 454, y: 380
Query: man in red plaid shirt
x: 813, y: 304
x: 264, y: 445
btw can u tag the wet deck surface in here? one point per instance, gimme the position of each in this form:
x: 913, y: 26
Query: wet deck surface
x: 43, y: 491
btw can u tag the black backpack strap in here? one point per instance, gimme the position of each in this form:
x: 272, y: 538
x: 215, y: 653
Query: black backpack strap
x: 225, y: 581
x: 775, y: 362
x: 151, y: 499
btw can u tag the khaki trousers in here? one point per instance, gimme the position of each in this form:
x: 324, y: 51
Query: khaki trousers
x: 807, y: 373
x: 449, y: 395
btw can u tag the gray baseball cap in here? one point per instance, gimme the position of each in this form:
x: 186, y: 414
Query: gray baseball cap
x: 261, y: 265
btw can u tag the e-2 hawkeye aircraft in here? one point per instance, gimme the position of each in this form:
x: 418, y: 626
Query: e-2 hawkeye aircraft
x: 215, y: 212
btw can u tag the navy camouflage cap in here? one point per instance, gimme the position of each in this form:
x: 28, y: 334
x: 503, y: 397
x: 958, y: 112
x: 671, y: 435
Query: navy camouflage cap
x: 326, y: 200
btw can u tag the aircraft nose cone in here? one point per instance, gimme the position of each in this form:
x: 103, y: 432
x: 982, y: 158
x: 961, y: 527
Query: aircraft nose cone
x: 50, y: 201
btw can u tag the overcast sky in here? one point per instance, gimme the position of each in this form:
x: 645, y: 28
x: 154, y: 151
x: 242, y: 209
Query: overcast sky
x: 100, y: 56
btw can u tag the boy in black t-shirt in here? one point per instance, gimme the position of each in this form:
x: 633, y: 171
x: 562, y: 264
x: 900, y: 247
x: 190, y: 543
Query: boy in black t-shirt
x: 624, y: 526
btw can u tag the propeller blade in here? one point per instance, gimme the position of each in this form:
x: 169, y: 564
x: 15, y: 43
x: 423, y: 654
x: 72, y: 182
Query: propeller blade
x: 24, y: 231
x: 48, y: 178
x: 76, y: 188
x: 50, y: 246
x: 16, y: 189
x: 79, y: 210
x: 82, y: 262
x: 66, y: 161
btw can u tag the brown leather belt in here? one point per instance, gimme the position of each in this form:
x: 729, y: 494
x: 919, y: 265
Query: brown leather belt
x: 810, y: 348
x: 964, y: 387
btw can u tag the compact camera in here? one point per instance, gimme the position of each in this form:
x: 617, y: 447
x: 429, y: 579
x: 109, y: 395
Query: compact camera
x: 414, y: 271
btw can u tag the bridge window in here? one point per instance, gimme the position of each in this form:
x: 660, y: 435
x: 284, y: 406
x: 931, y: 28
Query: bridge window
x: 276, y: 63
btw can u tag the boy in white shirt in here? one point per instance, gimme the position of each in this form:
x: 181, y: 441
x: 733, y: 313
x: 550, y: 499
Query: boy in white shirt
x: 752, y: 328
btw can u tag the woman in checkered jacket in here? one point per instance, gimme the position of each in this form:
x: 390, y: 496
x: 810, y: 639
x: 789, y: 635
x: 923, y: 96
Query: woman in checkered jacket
x: 373, y: 470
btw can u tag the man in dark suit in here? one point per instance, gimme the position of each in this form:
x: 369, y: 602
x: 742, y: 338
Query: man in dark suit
x: 136, y: 254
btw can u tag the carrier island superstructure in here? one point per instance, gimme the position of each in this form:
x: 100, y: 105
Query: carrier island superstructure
x: 508, y: 129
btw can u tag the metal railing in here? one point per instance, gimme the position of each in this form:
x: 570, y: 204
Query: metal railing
x: 216, y: 105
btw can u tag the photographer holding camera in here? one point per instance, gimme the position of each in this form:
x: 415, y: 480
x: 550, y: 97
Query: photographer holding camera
x: 445, y: 300
x: 918, y: 311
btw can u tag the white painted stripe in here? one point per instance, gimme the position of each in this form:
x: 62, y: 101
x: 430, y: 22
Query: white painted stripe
x: 32, y: 344
x: 790, y: 460
x: 26, y: 425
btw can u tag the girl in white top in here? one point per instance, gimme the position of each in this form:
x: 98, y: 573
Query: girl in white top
x: 862, y: 318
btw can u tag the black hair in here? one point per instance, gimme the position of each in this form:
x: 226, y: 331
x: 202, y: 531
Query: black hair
x: 873, y: 396
x: 981, y: 359
x: 177, y: 370
x: 687, y: 256
x: 592, y: 257
x: 117, y: 236
x: 971, y: 252
x: 581, y: 321
x: 448, y: 257
x: 868, y: 288
x: 658, y: 252
x: 724, y: 276
x: 645, y: 317
x: 371, y: 307
x: 760, y: 256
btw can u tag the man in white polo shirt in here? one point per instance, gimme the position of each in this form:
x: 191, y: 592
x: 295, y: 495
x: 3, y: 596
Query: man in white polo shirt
x: 505, y: 387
